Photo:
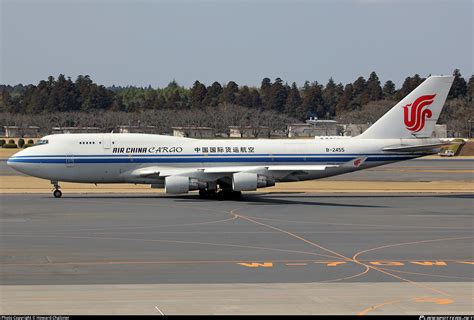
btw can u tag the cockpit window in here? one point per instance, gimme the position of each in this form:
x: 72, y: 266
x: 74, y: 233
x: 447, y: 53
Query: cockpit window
x: 41, y: 141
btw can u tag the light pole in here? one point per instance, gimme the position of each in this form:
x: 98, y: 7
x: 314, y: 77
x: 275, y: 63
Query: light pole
x: 469, y: 123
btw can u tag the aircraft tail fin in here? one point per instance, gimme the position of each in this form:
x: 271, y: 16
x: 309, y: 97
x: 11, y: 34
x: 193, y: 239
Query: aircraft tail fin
x: 415, y: 115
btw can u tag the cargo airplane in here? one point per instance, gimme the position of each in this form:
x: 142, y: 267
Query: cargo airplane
x: 225, y: 168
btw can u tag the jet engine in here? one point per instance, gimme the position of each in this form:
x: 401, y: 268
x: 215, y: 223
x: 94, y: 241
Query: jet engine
x: 180, y: 184
x: 247, y: 181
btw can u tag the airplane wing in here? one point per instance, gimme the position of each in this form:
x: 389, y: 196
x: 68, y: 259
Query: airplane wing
x: 160, y: 172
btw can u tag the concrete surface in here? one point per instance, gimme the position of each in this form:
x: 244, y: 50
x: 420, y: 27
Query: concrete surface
x: 277, y: 298
x: 278, y: 254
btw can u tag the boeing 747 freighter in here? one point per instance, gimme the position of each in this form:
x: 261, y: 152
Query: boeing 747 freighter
x: 225, y: 168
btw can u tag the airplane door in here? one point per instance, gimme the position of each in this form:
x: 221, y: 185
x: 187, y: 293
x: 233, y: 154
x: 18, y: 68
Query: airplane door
x: 106, y: 141
x: 69, y: 160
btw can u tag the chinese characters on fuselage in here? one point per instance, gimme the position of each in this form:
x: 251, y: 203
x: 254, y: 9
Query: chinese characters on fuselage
x: 225, y: 149
x: 173, y: 149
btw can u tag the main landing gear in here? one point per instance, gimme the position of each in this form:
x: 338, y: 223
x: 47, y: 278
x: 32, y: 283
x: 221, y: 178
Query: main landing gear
x: 220, y: 194
x: 56, y: 193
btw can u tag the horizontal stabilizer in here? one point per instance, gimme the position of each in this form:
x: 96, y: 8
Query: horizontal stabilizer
x: 419, y: 148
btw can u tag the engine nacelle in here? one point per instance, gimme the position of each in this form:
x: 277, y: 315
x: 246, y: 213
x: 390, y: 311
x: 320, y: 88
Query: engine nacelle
x: 247, y: 181
x: 180, y: 184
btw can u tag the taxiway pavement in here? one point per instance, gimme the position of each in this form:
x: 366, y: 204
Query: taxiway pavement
x: 264, y: 238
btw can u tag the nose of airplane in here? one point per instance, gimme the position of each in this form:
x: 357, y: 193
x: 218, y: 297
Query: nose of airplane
x: 13, y: 161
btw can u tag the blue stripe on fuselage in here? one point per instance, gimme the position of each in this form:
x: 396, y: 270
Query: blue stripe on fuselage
x: 204, y: 159
x: 217, y: 155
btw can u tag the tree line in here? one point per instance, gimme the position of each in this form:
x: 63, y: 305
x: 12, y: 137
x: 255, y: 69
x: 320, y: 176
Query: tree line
x: 359, y: 100
x: 312, y: 99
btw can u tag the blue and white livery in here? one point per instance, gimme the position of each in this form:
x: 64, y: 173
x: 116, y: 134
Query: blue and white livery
x: 227, y: 167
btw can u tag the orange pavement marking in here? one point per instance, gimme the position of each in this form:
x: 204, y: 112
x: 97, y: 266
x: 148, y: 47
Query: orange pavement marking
x: 256, y: 264
x: 365, y: 311
x: 433, y: 300
x: 429, y: 263
x: 387, y: 263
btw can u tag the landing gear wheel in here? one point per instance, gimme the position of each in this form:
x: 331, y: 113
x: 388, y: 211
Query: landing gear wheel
x: 57, y: 193
x: 229, y: 195
x: 236, y: 195
x: 207, y: 194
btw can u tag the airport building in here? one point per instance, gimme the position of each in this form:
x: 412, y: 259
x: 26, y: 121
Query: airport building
x: 137, y: 129
x: 352, y: 129
x: 193, y: 132
x: 249, y: 132
x: 56, y: 130
x: 21, y: 132
x: 312, y: 128
x: 440, y: 131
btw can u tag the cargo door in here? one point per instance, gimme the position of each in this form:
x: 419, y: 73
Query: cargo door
x: 106, y: 138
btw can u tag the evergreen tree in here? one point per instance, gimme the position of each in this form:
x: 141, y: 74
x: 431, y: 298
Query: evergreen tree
x: 153, y: 99
x: 313, y: 102
x: 174, y: 101
x: 256, y: 100
x: 470, y: 88
x: 265, y: 93
x: 244, y: 98
x: 359, y: 86
x: 213, y: 94
x: 459, y: 86
x: 277, y: 96
x: 197, y: 95
x: 54, y: 99
x: 389, y: 90
x: 229, y: 93
x: 39, y: 98
x: 73, y: 100
x: 6, y: 104
x: 293, y: 102
x: 171, y: 89
x: 360, y: 94
x: 331, y: 95
x: 344, y: 103
x: 373, y: 88
x: 408, y: 86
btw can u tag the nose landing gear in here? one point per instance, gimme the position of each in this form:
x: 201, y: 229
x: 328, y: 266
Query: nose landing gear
x: 56, y: 193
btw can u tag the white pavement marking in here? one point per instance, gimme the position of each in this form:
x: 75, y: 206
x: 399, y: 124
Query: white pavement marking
x: 161, y: 312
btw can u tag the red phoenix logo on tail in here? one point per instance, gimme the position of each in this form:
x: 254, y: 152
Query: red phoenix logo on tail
x: 415, y: 116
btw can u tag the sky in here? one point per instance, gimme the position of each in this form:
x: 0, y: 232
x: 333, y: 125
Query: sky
x: 141, y: 43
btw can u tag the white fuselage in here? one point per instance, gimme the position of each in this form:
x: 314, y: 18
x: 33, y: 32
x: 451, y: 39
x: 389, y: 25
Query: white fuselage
x: 112, y: 158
